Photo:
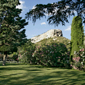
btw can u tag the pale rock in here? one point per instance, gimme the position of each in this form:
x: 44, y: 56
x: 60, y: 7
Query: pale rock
x: 49, y: 34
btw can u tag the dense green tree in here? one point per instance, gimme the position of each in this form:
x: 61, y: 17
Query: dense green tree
x: 5, y: 5
x: 58, y: 12
x: 77, y: 34
x: 12, y: 33
x: 26, y: 51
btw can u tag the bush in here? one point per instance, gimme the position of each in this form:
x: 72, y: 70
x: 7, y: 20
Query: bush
x: 25, y: 54
x: 79, y: 60
x: 23, y: 58
x: 15, y: 56
x: 52, y: 54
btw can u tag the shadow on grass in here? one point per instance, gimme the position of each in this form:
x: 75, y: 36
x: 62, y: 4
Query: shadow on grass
x: 39, y: 75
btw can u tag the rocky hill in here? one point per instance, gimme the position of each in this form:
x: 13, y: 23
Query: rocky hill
x: 49, y: 34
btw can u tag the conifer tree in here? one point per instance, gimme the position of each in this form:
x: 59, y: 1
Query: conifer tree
x: 77, y: 35
x: 58, y: 12
x: 12, y: 33
x: 5, y: 5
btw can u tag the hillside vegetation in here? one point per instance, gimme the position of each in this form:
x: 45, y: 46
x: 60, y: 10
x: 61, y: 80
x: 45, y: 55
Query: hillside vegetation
x: 48, y: 52
x: 55, y: 40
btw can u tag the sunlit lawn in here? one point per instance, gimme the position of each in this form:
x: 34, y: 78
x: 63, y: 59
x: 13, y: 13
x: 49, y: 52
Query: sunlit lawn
x: 38, y: 75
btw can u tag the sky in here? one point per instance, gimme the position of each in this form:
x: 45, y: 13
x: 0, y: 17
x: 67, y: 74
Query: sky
x: 42, y: 26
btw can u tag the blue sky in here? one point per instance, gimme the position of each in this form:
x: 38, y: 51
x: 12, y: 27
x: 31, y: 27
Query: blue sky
x: 42, y: 25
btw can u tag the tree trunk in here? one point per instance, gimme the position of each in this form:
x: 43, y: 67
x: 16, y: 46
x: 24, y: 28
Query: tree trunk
x: 4, y: 59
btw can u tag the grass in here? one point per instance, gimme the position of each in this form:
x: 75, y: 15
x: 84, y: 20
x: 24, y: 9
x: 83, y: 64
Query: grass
x: 16, y: 74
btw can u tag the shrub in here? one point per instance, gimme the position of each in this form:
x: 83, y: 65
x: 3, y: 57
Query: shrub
x: 15, y: 56
x: 25, y: 54
x: 23, y: 57
x: 52, y: 54
x: 79, y: 60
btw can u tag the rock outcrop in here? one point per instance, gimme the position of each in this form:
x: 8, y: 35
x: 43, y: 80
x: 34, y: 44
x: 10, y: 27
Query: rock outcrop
x: 49, y: 34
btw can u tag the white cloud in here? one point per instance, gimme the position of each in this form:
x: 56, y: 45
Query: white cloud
x: 43, y: 23
x: 69, y: 28
x: 33, y: 7
x: 21, y: 5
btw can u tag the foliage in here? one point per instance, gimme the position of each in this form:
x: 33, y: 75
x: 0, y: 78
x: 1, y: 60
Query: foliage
x: 79, y: 59
x: 23, y: 58
x: 77, y: 64
x: 12, y: 32
x: 55, y: 39
x: 12, y: 36
x: 58, y: 12
x: 5, y: 5
x: 77, y: 34
x: 15, y: 56
x: 52, y: 55
x: 25, y: 54
x: 26, y: 51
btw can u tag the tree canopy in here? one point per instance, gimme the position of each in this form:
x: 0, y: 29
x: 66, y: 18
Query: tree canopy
x: 58, y: 12
x: 12, y: 32
x: 5, y: 6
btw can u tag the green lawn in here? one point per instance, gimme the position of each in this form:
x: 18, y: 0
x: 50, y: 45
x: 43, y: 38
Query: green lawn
x: 38, y: 75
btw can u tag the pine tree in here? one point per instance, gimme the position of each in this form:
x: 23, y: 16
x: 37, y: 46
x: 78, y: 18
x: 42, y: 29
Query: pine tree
x: 5, y: 5
x: 77, y: 35
x: 58, y: 12
x: 12, y: 33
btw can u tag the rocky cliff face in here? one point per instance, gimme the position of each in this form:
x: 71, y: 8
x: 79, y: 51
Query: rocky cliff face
x: 49, y: 34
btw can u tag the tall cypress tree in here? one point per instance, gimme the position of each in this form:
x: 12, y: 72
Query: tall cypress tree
x: 12, y: 33
x: 77, y: 34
